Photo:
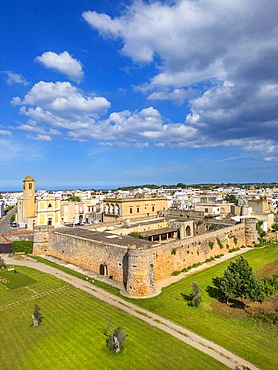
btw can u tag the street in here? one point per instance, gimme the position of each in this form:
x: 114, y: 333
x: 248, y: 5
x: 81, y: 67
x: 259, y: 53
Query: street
x: 5, y: 226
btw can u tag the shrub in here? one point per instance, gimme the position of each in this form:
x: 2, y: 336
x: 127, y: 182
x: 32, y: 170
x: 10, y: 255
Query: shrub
x: 221, y: 246
x: 24, y: 246
x: 176, y: 273
x: 174, y: 251
x: 261, y: 232
x: 134, y: 234
x: 211, y: 244
x: 2, y: 263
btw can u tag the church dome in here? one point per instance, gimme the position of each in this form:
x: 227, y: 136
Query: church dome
x: 28, y: 178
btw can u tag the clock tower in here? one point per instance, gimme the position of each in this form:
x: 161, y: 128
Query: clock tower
x: 29, y: 197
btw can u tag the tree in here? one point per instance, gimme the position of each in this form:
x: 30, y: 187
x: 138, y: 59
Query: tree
x: 73, y: 198
x: 196, y: 295
x: 238, y: 281
x: 256, y: 294
x: 274, y: 227
x: 230, y: 198
x: 115, y: 338
x: 37, y: 316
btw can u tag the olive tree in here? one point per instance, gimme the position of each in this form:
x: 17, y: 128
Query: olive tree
x: 115, y: 338
x: 37, y: 316
x: 196, y: 295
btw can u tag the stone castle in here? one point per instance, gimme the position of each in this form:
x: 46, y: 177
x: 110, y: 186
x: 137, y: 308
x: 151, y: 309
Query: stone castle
x: 140, y: 263
x: 139, y: 242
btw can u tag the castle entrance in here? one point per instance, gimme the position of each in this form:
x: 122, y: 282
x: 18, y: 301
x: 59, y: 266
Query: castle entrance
x: 103, y: 270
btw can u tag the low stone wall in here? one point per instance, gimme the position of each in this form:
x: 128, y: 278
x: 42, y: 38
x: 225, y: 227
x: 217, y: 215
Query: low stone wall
x: 18, y: 235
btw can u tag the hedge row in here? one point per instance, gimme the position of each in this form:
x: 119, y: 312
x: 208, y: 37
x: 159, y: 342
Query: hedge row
x: 24, y: 246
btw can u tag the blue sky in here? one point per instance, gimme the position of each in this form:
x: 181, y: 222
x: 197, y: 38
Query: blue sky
x: 100, y: 94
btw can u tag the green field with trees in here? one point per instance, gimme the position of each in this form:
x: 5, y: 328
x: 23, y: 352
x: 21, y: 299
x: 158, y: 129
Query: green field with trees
x: 72, y: 317
x: 231, y: 326
x: 73, y: 332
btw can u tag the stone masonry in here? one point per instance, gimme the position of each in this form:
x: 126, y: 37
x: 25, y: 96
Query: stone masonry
x: 139, y: 264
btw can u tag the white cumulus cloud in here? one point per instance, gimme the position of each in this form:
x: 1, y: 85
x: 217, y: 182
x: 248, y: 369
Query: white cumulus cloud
x: 51, y: 107
x: 217, y: 57
x: 15, y: 78
x: 63, y: 63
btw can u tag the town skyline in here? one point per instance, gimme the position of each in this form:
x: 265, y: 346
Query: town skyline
x: 103, y: 95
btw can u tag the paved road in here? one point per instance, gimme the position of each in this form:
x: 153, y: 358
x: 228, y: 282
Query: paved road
x: 5, y: 226
x: 188, y: 337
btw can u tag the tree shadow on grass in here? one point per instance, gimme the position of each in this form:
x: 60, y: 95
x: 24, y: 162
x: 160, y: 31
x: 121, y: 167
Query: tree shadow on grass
x: 216, y: 293
x: 186, y: 297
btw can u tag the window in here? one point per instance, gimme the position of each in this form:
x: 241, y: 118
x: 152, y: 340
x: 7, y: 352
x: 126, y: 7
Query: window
x: 130, y: 210
x: 138, y: 209
x: 30, y: 185
x: 152, y: 208
x: 49, y: 205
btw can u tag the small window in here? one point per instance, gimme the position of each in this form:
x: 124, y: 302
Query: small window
x: 120, y: 264
x: 138, y: 209
x: 49, y: 205
x: 152, y: 208
x: 130, y: 210
x: 134, y: 265
x: 30, y: 185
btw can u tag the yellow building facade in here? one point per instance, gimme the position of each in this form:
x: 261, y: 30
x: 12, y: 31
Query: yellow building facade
x: 128, y: 208
x: 48, y: 211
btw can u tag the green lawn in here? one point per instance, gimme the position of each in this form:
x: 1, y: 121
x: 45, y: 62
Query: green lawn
x: 71, y: 333
x: 239, y: 333
x: 14, y: 280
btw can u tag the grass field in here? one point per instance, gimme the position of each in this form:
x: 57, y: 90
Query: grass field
x: 223, y: 325
x: 12, y: 280
x: 71, y: 333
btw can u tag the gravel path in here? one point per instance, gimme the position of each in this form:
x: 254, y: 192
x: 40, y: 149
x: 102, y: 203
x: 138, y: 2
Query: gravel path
x: 219, y: 353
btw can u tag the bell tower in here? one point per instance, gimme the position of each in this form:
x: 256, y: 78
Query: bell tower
x: 28, y: 197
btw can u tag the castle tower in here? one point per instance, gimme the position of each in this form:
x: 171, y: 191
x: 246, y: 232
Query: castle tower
x: 251, y: 233
x: 140, y: 275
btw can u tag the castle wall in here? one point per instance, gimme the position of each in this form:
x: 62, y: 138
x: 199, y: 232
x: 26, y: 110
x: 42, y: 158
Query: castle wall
x: 176, y: 255
x: 140, y: 268
x: 107, y: 259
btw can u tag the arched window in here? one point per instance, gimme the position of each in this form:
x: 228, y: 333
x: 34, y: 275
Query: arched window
x: 188, y: 231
